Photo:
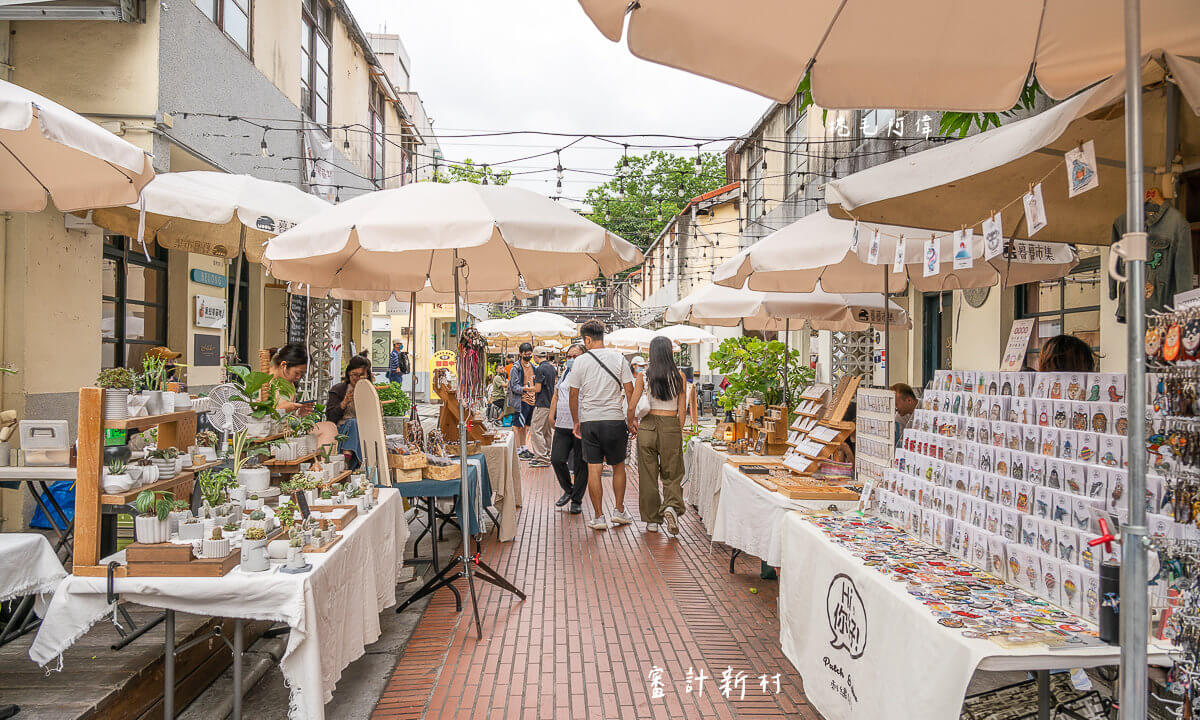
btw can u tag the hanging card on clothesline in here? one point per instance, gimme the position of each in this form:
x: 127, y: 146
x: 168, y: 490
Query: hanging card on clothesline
x: 932, y: 257
x: 1081, y: 169
x: 854, y: 238
x: 993, y: 237
x: 962, y: 248
x: 1035, y: 210
x: 873, y: 249
x: 898, y: 260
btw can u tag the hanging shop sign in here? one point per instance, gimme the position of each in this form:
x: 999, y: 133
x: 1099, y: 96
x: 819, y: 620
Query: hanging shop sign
x: 207, y: 277
x: 444, y: 359
x: 1018, y: 344
x: 210, y: 311
x: 206, y: 350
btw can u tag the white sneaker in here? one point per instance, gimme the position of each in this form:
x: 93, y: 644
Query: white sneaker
x: 651, y: 527
x: 671, y: 520
x: 600, y: 523
x: 621, y: 517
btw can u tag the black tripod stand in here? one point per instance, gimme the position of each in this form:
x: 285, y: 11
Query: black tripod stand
x: 466, y: 565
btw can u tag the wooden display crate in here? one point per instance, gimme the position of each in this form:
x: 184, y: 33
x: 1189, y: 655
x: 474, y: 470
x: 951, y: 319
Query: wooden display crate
x: 473, y: 448
x: 341, y: 521
x: 441, y: 472
x: 171, y: 560
x: 401, y: 475
x: 323, y: 548
x: 412, y: 461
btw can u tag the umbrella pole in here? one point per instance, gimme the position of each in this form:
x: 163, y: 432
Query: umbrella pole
x: 1134, y: 615
x: 412, y: 351
x: 787, y: 397
x: 887, y: 333
x: 237, y: 290
x: 464, y: 492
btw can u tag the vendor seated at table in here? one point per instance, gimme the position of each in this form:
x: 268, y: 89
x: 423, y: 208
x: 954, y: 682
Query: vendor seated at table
x: 906, y: 403
x: 1066, y: 353
x: 339, y: 408
x: 290, y: 362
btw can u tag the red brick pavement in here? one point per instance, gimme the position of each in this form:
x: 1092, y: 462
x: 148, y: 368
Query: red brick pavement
x: 603, y: 610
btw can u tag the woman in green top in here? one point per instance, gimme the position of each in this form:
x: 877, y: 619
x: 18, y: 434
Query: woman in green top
x: 498, y: 393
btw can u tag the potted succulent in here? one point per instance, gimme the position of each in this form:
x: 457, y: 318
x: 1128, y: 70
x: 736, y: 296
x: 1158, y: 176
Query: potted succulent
x: 117, y: 384
x: 258, y: 519
x: 230, y: 526
x: 116, y: 479
x: 153, y: 378
x: 142, y: 471
x: 180, y: 510
x: 254, y: 550
x: 295, y: 558
x: 151, y: 526
x: 206, y: 445
x: 215, y: 485
x: 253, y: 502
x: 216, y: 546
x: 166, y: 460
x: 191, y: 528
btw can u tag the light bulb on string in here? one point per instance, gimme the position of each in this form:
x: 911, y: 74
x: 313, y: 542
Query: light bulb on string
x: 263, y: 145
x: 345, y: 138
x: 698, y: 162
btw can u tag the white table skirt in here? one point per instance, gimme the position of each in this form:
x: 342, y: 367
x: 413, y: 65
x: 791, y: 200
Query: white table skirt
x: 333, y: 610
x: 504, y: 469
x: 750, y: 517
x: 28, y: 565
x: 702, y: 474
x: 902, y: 665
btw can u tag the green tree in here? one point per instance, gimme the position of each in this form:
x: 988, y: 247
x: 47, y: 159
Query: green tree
x: 756, y: 367
x: 468, y: 171
x: 651, y: 189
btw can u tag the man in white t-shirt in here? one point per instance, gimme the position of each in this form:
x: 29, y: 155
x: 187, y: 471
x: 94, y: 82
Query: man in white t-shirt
x: 601, y: 384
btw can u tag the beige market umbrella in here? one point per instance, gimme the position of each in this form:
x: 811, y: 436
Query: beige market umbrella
x: 47, y: 150
x: 395, y: 240
x: 964, y: 182
x: 929, y: 54
x: 531, y: 327
x: 819, y: 248
x: 630, y: 340
x: 686, y: 334
x: 773, y: 311
x: 456, y: 236
x: 213, y: 213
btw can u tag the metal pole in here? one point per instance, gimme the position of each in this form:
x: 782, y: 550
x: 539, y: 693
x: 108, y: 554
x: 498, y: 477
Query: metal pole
x: 464, y: 492
x: 887, y: 332
x: 237, y: 290
x: 787, y: 397
x: 1134, y: 593
x: 412, y: 350
x: 169, y: 667
x: 239, y: 642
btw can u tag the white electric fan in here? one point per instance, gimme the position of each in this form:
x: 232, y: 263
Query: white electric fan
x: 228, y: 413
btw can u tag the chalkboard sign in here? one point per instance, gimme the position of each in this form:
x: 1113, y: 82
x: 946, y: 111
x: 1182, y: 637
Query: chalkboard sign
x: 206, y: 350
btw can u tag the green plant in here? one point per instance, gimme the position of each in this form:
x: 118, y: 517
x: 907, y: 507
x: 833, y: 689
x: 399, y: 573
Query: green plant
x: 231, y: 526
x: 215, y: 485
x: 326, y: 450
x: 326, y: 495
x: 181, y: 505
x: 217, y: 534
x: 116, y: 379
x: 756, y: 367
x: 296, y: 541
x: 169, y: 453
x: 258, y: 515
x: 154, y: 502
x: 116, y: 467
x: 400, y: 404
x: 262, y: 404
x: 154, y: 372
x: 256, y: 533
x: 286, y: 514
x: 206, y: 438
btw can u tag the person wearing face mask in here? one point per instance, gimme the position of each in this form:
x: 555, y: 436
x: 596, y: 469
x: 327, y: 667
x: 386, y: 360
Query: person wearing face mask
x: 521, y: 397
x: 566, y: 452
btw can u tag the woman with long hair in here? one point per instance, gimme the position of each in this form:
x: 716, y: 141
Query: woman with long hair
x: 660, y: 438
x: 339, y: 408
x: 290, y: 362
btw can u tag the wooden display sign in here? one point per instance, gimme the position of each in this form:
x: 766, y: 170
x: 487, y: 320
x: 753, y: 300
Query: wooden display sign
x: 450, y: 410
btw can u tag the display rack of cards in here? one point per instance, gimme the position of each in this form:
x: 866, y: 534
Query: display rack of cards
x: 801, y: 449
x: 1012, y: 471
x: 875, y: 434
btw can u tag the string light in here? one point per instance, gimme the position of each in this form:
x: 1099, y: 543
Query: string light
x: 263, y: 145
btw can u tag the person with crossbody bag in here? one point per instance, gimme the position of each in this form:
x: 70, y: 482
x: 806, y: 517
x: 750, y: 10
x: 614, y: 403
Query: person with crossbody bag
x: 601, y: 392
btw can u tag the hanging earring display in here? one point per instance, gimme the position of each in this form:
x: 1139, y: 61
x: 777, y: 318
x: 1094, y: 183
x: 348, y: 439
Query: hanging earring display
x: 471, y: 368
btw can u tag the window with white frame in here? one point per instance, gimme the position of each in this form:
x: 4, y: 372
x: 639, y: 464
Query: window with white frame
x: 315, y: 59
x: 232, y: 16
x: 796, y: 162
x: 755, y: 207
x: 376, y: 159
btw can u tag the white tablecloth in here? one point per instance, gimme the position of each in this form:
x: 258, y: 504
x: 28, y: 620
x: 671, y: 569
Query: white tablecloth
x: 28, y: 565
x: 702, y: 479
x: 504, y: 470
x: 749, y: 517
x: 333, y: 610
x: 900, y: 664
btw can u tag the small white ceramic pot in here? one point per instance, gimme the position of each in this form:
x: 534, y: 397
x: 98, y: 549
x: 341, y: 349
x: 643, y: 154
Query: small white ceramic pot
x: 167, y: 467
x: 210, y: 454
x: 254, y: 479
x: 116, y: 403
x: 238, y: 493
x: 278, y: 549
x: 215, y: 548
x: 148, y: 529
x: 154, y: 401
x: 118, y: 483
x: 176, y: 519
x: 295, y: 558
x: 191, y: 530
x: 253, y: 504
x: 254, y: 556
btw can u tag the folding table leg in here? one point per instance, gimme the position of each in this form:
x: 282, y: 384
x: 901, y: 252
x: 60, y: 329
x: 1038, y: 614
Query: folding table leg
x: 169, y: 667
x: 239, y: 642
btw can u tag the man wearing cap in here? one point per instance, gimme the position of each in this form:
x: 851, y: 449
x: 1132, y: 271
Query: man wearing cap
x: 638, y: 363
x: 541, y: 428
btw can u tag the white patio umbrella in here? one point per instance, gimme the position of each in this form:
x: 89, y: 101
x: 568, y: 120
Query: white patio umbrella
x: 686, y: 334
x: 819, y: 248
x: 883, y: 54
x: 395, y: 240
x: 630, y: 340
x: 530, y: 327
x: 773, y: 311
x: 926, y: 55
x: 49, y: 150
x: 486, y: 237
x: 961, y: 183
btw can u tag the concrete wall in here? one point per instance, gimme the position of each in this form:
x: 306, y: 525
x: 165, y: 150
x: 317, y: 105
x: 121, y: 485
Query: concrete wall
x: 276, y: 45
x: 981, y: 333
x: 181, y: 313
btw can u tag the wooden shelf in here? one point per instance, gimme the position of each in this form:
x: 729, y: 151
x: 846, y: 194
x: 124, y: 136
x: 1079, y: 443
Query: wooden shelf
x: 147, y: 421
x: 125, y: 498
x: 287, y: 463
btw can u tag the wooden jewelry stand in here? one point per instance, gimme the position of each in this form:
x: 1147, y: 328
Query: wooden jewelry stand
x: 449, y: 412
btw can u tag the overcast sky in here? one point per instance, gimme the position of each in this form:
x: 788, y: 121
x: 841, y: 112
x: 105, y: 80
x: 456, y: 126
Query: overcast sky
x: 487, y: 65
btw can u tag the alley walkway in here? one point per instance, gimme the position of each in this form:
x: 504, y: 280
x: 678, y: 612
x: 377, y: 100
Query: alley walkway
x: 603, y: 611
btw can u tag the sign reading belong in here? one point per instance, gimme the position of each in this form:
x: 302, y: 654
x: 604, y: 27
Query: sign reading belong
x: 210, y: 311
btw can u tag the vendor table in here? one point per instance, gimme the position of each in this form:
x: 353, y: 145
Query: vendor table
x: 332, y: 610
x: 749, y: 517
x: 36, y: 480
x: 867, y: 647
x: 702, y: 470
x: 479, y: 475
x: 28, y: 568
x: 504, y: 469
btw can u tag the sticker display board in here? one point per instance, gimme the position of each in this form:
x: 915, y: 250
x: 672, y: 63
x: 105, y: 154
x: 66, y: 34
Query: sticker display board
x: 875, y: 421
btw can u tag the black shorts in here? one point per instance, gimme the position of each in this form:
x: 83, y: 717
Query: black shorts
x: 524, y: 416
x: 604, y: 441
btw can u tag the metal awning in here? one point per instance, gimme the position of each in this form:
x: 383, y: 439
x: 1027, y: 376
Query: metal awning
x: 116, y: 10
